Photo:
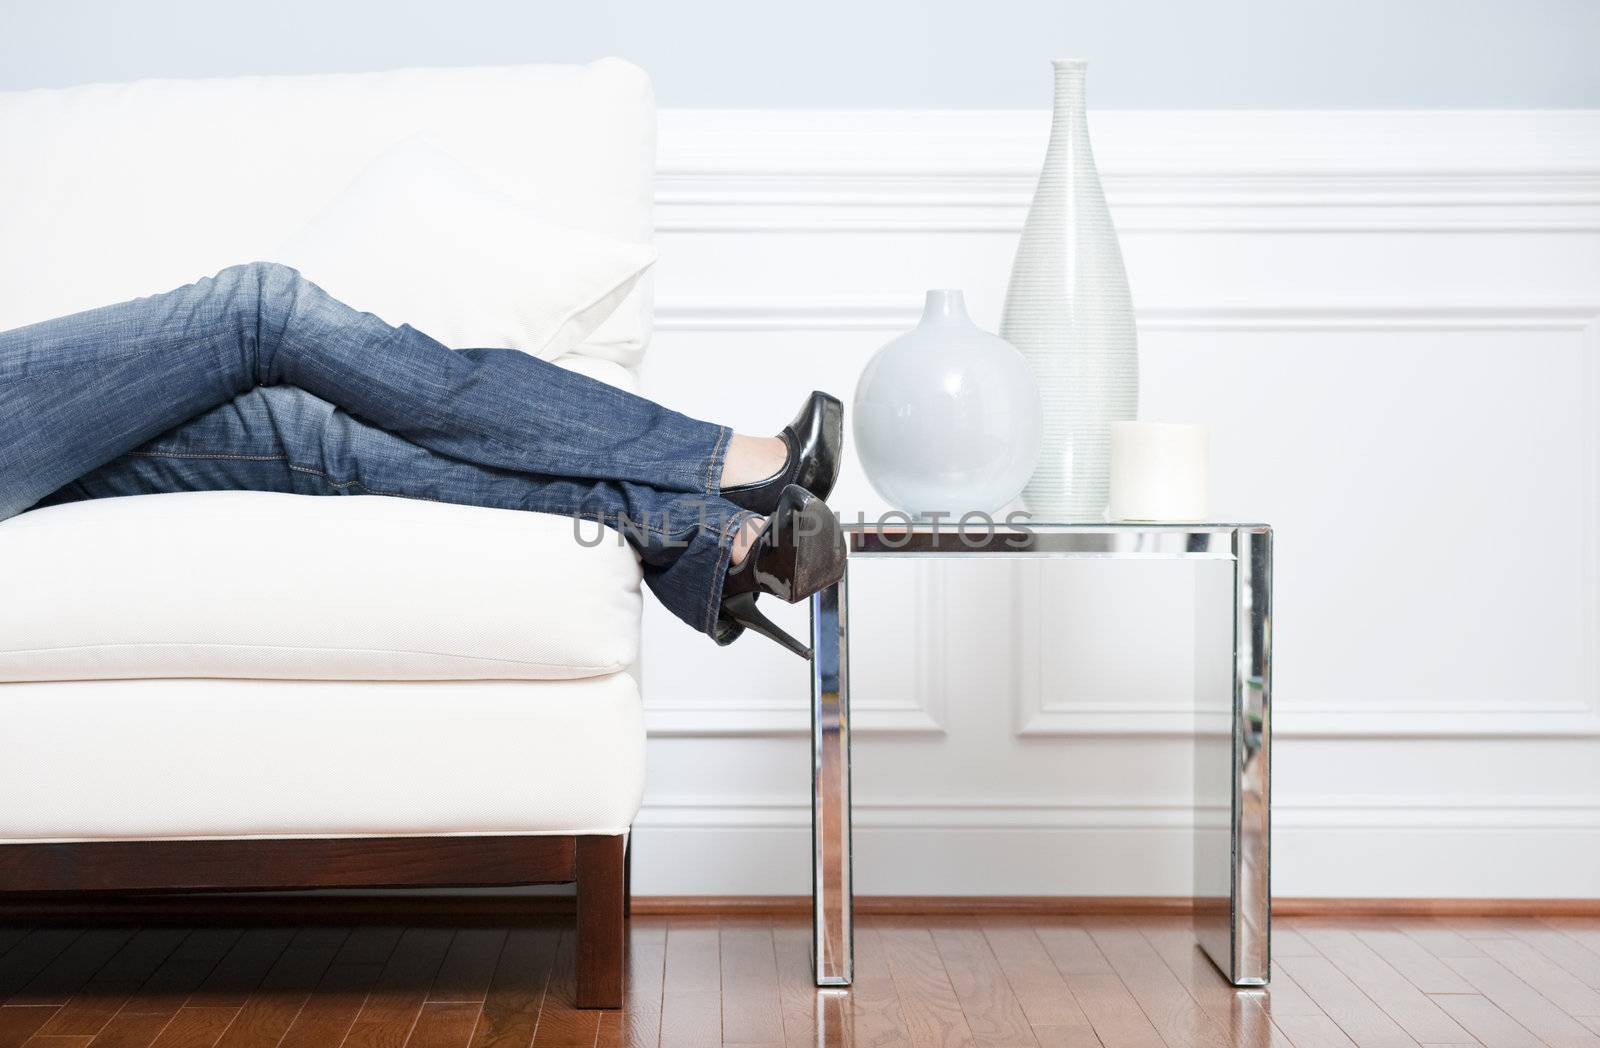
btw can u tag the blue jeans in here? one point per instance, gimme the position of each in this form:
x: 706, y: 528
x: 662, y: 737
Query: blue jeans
x: 257, y: 379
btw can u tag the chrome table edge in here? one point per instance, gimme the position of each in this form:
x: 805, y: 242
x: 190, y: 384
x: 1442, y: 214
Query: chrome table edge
x: 832, y: 898
x: 1245, y: 959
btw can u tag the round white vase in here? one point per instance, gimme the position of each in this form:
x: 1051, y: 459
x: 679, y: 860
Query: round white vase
x: 1069, y: 313
x: 947, y: 418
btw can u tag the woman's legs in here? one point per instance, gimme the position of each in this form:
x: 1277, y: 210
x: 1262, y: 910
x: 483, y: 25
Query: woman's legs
x: 79, y: 391
x: 280, y: 438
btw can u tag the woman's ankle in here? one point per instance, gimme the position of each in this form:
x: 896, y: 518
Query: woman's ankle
x: 751, y: 460
x: 745, y: 538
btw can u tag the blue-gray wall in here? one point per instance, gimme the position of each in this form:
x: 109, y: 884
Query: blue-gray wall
x: 1288, y: 54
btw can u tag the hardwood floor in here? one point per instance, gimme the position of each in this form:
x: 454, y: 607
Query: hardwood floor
x: 989, y: 981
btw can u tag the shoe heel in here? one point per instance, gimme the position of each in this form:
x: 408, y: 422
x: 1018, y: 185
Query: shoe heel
x: 741, y: 608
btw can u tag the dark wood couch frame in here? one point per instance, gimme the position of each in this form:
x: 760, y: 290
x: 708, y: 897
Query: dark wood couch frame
x: 598, y: 864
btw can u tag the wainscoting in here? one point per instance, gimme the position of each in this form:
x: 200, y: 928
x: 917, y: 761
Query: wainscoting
x: 1390, y: 320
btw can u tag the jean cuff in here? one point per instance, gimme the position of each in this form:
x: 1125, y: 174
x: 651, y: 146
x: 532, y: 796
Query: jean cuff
x: 721, y: 631
x: 711, y: 482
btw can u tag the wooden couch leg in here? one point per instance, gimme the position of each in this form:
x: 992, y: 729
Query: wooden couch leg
x: 600, y: 924
x: 627, y: 877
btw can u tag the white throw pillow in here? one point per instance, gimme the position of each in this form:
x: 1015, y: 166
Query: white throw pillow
x: 418, y: 239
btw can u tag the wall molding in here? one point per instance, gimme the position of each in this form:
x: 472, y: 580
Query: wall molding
x: 1109, y: 720
x: 869, y: 313
x: 891, y: 172
x: 1323, y: 813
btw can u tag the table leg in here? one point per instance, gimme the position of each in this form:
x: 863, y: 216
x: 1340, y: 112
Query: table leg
x: 833, y: 944
x: 1233, y: 761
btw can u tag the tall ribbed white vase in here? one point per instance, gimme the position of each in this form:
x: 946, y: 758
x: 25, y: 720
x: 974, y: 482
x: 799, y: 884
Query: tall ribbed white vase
x: 1069, y: 312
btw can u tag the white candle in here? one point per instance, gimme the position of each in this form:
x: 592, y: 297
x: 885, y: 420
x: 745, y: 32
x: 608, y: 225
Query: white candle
x: 1159, y: 471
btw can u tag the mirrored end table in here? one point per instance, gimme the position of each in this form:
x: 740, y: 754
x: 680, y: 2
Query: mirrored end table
x: 1232, y: 723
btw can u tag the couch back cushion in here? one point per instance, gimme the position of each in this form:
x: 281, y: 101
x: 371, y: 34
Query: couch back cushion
x: 112, y: 191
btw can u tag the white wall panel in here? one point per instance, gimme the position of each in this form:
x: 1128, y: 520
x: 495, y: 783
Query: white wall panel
x: 1391, y: 322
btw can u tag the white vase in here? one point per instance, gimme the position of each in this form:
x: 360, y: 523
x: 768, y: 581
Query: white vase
x: 1069, y: 313
x: 946, y: 416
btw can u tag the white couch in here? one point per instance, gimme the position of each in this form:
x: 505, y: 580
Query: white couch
x: 409, y: 692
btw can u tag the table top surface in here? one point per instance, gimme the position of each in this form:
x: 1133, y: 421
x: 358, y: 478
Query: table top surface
x: 1035, y: 538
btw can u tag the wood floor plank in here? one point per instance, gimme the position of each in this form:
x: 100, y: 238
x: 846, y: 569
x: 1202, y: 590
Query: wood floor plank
x: 694, y: 956
x: 648, y: 931
x: 1241, y: 1012
x: 231, y: 979
x: 1475, y: 928
x: 1072, y: 950
x: 1298, y: 1016
x: 1411, y: 959
x: 1577, y: 959
x: 562, y: 1024
x: 797, y: 997
x: 1565, y: 990
x: 1439, y: 939
x: 691, y: 1018
x: 20, y: 1022
x: 1363, y: 1021
x: 511, y: 1007
x: 272, y: 1008
x: 132, y: 1029
x: 339, y: 997
x: 752, y: 1010
x: 330, y: 1013
x: 385, y: 1021
x: 57, y: 981
x: 1584, y: 930
x: 1492, y: 1027
x: 1066, y: 1037
x: 445, y: 1024
x: 89, y: 1010
x: 927, y: 998
x: 10, y: 936
x: 468, y: 966
x: 637, y: 1024
x: 208, y: 945
x: 1524, y: 1003
x: 993, y: 1012
x: 195, y: 1028
x: 1116, y: 1018
x: 1052, y: 982
x: 873, y: 1015
x: 369, y: 945
x: 1391, y: 991
x: 1039, y: 988
x: 1176, y: 1016
x: 691, y: 1005
x: 31, y: 956
x: 1288, y: 942
x: 180, y: 977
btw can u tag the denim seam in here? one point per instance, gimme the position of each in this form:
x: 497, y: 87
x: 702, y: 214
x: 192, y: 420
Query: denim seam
x: 342, y: 484
x: 208, y: 455
x: 713, y: 467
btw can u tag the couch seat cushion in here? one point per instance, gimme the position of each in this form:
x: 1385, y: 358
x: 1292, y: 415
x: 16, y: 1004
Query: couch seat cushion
x: 85, y: 760
x: 262, y: 585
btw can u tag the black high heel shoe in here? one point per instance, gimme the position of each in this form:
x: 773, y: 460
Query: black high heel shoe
x: 816, y: 444
x: 800, y: 551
